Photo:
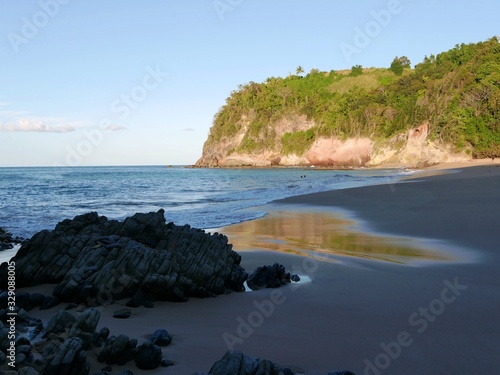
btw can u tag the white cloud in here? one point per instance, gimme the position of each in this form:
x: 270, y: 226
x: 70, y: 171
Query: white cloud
x: 35, y: 125
x: 114, y: 127
x: 21, y: 121
x: 189, y: 129
x: 3, y: 104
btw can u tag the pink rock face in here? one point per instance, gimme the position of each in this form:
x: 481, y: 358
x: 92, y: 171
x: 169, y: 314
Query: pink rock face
x: 420, y: 132
x: 335, y: 152
x: 410, y: 149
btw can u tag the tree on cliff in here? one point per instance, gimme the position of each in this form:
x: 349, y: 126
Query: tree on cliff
x: 399, y: 64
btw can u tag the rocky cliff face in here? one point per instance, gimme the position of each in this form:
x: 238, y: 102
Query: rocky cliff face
x: 411, y: 149
x: 414, y: 149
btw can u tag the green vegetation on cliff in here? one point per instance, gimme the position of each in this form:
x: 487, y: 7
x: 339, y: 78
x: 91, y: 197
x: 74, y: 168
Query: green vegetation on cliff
x: 457, y: 92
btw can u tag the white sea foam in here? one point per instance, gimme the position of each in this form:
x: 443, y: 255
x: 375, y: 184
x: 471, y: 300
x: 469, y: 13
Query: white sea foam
x: 6, y: 255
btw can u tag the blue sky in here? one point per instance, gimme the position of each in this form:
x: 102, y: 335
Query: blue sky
x: 138, y: 83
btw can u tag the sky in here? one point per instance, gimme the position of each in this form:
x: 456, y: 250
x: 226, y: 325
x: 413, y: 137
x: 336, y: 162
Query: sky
x: 109, y: 82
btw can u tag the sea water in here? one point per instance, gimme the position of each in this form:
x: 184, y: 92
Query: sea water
x: 37, y: 198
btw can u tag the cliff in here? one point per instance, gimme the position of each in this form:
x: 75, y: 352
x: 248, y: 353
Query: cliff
x: 445, y: 109
x: 410, y: 149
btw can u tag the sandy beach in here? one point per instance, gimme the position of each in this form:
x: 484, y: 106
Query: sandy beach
x: 431, y: 309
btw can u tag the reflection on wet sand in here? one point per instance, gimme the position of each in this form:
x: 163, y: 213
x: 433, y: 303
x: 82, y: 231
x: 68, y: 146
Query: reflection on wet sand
x: 327, y: 236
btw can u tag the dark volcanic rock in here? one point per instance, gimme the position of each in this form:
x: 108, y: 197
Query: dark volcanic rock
x: 148, y: 356
x: 4, y: 296
x: 49, y: 302
x: 22, y: 341
x: 85, y: 325
x: 6, y: 246
x: 60, y: 322
x: 86, y: 322
x: 104, y: 333
x: 122, y: 314
x: 118, y: 351
x: 70, y: 358
x: 161, y: 338
x: 95, y: 260
x: 7, y: 241
x: 268, y: 277
x: 36, y: 299
x: 27, y: 370
x: 22, y: 299
x: 235, y: 362
x: 63, y: 348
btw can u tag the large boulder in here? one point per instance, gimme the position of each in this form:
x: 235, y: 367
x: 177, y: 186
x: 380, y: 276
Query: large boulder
x: 235, y: 362
x: 85, y: 325
x: 118, y: 350
x: 273, y: 276
x: 70, y: 358
x: 94, y: 260
x: 161, y: 337
x: 148, y: 356
x: 60, y: 322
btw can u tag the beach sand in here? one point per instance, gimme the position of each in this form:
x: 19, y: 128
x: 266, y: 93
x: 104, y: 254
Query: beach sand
x: 433, y: 309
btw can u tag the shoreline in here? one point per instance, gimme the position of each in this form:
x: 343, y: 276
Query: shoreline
x: 377, y: 205
x: 333, y: 234
x: 440, y: 318
x: 441, y: 165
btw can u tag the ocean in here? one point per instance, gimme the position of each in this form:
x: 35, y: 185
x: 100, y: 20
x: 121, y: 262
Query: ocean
x: 37, y: 198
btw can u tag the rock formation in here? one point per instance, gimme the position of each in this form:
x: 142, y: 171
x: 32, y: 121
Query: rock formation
x: 161, y: 338
x: 118, y: 350
x: 235, y: 362
x: 7, y: 241
x: 62, y: 349
x: 67, y: 338
x: 273, y: 276
x: 70, y: 358
x: 411, y: 149
x: 94, y: 260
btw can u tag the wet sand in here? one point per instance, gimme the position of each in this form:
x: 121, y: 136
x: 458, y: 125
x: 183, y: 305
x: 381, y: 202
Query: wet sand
x: 359, y: 312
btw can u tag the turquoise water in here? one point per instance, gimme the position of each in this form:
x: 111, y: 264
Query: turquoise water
x: 32, y: 199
